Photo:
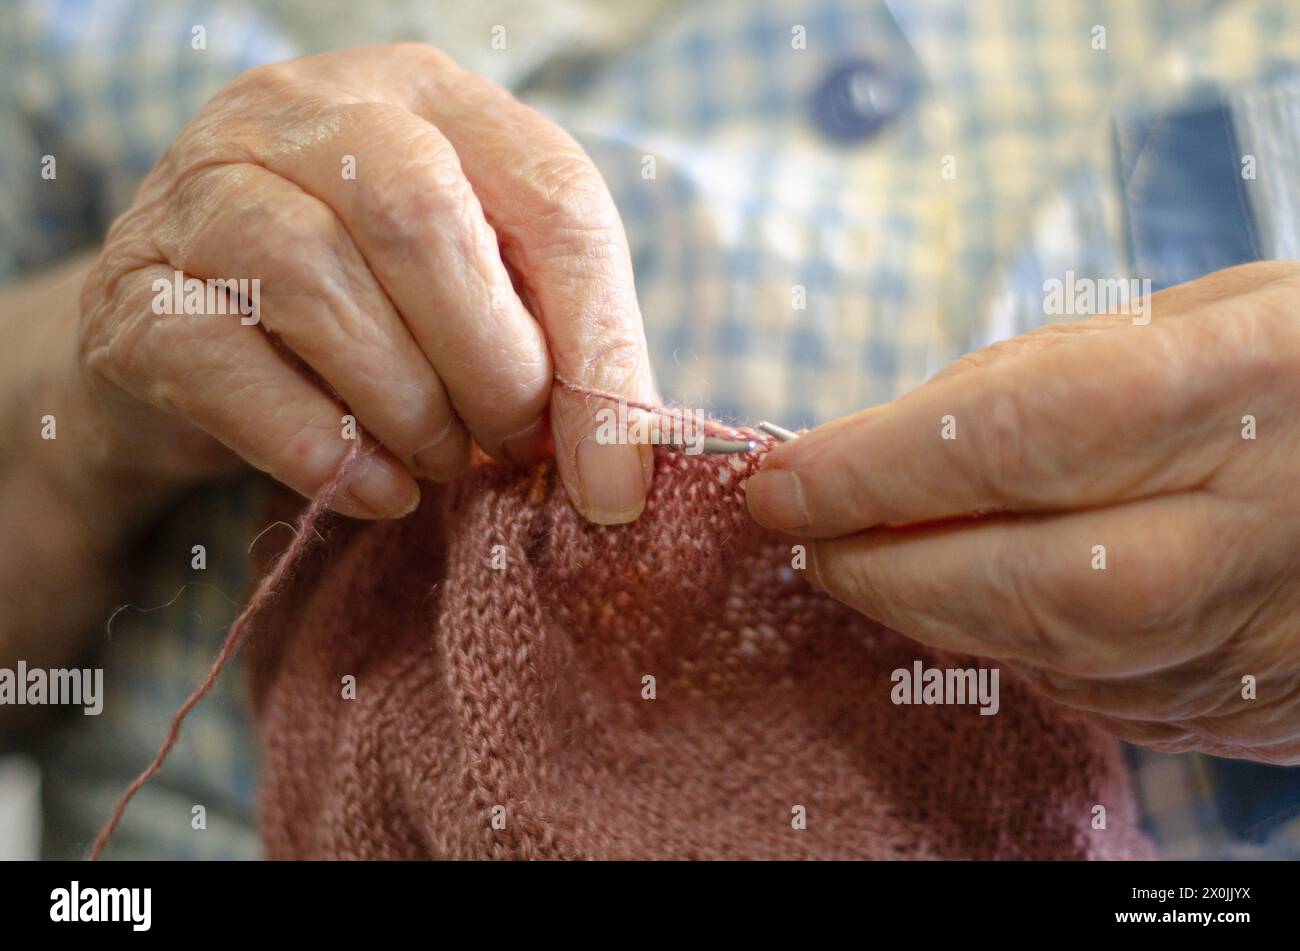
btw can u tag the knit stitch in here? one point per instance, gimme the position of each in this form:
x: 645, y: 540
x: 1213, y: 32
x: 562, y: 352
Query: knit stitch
x: 501, y: 648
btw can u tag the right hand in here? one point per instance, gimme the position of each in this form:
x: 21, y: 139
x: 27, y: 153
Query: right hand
x: 475, y: 253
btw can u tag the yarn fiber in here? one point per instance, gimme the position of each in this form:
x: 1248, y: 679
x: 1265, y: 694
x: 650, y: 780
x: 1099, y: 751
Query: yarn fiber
x: 528, y: 685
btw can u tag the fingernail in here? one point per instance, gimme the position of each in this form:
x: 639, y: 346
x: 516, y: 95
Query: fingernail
x: 384, y: 488
x: 612, y: 481
x: 434, y: 459
x: 426, y: 460
x: 526, y: 446
x: 775, y: 499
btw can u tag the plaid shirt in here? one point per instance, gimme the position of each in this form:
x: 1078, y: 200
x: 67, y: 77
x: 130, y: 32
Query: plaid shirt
x: 820, y: 261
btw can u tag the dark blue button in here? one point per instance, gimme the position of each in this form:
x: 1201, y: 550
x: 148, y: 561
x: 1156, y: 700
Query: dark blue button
x: 856, y: 99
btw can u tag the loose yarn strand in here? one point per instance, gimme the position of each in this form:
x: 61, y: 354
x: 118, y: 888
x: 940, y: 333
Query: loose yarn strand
x: 265, y: 590
x: 711, y: 427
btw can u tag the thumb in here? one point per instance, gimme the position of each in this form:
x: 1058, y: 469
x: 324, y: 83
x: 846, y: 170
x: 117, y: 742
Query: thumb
x: 607, y: 480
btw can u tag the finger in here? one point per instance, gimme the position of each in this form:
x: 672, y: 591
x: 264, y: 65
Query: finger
x: 421, y: 230
x: 777, y: 500
x: 227, y: 379
x: 561, y: 233
x: 317, y: 296
x: 1081, y: 594
x: 556, y: 225
x: 1104, y: 417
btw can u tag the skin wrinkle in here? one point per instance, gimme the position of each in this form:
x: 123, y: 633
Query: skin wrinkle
x: 318, y: 337
x: 1099, y: 694
x: 110, y: 286
x: 1207, y: 593
x: 1020, y: 605
x: 1157, y: 610
x: 1152, y: 397
x: 608, y: 362
x: 1213, y: 650
x: 100, y: 351
x: 331, y: 333
x: 1076, y: 692
x: 450, y: 418
x: 403, y: 215
x: 1287, y: 732
x: 1234, y: 647
x: 176, y: 394
x: 478, y: 248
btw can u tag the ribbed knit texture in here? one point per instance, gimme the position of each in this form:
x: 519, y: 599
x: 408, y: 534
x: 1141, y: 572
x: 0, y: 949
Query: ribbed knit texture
x: 517, y: 692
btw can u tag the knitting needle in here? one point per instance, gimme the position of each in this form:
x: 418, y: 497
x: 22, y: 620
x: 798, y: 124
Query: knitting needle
x: 777, y: 432
x: 715, y: 446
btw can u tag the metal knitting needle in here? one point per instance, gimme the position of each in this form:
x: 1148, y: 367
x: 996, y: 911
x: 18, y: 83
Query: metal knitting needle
x: 777, y: 432
x: 715, y: 446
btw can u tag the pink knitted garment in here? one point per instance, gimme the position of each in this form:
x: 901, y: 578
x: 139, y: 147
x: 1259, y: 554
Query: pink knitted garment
x: 500, y: 647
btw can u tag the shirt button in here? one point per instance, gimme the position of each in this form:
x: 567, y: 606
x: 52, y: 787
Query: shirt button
x: 855, y: 100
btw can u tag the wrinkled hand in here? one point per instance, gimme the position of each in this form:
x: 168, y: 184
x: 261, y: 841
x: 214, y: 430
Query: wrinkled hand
x: 1135, y: 551
x: 429, y: 250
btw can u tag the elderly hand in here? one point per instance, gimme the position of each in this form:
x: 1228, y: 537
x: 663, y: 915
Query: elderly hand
x: 1118, y: 514
x: 429, y: 251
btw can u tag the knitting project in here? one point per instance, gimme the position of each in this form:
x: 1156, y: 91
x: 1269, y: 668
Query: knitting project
x: 493, y: 677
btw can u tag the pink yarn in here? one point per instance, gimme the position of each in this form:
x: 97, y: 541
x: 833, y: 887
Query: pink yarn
x: 529, y: 685
x: 501, y: 647
x: 306, y: 534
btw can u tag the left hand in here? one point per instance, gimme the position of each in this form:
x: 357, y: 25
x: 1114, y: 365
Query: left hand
x: 1102, y: 520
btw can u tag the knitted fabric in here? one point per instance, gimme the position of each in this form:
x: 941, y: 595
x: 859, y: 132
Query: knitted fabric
x: 500, y: 647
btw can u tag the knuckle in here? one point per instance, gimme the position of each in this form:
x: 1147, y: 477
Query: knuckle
x: 270, y: 222
x: 614, y: 351
x: 417, y: 203
x: 99, y: 358
x: 420, y: 53
x: 268, y: 80
x: 421, y: 419
x: 569, y: 206
x: 110, y: 335
x: 297, y: 232
x: 612, y: 359
x: 974, y: 360
x: 501, y: 402
x: 298, y: 460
